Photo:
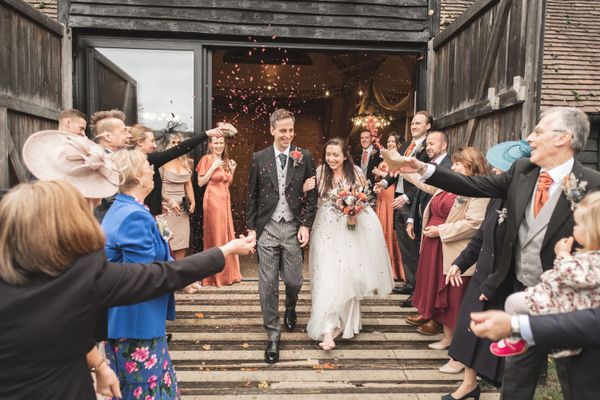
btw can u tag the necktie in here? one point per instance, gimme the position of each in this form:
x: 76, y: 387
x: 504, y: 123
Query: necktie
x: 365, y: 159
x: 282, y: 159
x: 542, y: 193
x: 409, y: 149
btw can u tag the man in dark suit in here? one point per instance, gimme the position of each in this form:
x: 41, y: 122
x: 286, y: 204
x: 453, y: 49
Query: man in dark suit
x: 436, y: 148
x: 280, y: 215
x: 369, y: 157
x: 404, y: 196
x: 539, y: 214
x: 577, y: 329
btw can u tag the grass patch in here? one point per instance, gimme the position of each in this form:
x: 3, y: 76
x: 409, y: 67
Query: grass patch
x: 551, y: 390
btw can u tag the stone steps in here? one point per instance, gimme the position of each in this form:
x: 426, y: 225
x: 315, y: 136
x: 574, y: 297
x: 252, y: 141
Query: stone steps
x: 218, y: 344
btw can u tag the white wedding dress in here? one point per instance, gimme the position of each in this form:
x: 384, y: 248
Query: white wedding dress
x: 345, y: 267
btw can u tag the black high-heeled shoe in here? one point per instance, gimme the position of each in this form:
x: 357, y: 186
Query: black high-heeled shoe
x: 473, y: 394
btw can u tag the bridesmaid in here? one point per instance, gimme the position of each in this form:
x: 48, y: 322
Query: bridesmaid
x: 177, y: 199
x: 215, y: 170
x: 385, y: 211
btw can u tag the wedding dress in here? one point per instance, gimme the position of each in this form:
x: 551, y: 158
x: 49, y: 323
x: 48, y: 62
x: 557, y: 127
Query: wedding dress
x: 345, y: 267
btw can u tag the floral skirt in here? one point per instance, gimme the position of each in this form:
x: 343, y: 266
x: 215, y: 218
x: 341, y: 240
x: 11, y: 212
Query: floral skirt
x: 144, y: 368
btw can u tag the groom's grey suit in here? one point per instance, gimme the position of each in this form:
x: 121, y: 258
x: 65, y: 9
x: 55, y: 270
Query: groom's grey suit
x: 276, y: 208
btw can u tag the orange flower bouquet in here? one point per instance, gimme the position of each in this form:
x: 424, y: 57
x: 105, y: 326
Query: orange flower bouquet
x: 349, y: 201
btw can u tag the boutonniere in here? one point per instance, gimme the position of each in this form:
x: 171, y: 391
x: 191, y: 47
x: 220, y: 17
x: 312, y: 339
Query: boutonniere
x: 459, y: 201
x: 502, y: 214
x: 574, y: 189
x: 419, y: 148
x: 163, y: 228
x: 297, y: 156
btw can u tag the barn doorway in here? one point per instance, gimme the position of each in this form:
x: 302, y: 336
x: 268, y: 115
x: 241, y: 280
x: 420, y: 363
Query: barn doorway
x: 324, y: 90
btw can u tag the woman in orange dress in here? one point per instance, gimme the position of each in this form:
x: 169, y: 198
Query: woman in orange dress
x: 215, y: 170
x: 385, y: 212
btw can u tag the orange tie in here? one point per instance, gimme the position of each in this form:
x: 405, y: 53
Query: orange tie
x: 542, y: 193
x: 409, y: 149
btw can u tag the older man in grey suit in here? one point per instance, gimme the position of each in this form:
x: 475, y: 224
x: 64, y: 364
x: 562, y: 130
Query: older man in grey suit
x: 280, y: 215
x: 539, y: 214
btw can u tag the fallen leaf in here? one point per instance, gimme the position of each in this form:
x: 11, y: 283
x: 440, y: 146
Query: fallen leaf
x: 264, y: 385
x: 206, y: 346
x: 248, y: 369
x: 320, y: 367
x: 199, y: 315
x: 245, y: 345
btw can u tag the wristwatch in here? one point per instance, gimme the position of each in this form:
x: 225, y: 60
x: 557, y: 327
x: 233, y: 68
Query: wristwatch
x: 515, y: 326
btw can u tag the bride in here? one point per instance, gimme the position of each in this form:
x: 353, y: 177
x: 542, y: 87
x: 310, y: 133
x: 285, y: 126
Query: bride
x: 345, y: 265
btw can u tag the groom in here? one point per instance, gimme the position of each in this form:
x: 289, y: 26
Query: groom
x: 280, y: 215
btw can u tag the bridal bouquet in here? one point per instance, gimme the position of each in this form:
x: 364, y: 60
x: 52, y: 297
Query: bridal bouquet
x: 349, y: 201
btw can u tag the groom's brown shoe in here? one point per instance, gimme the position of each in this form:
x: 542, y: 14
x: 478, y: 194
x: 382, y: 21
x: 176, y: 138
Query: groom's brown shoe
x: 290, y: 319
x: 272, y: 352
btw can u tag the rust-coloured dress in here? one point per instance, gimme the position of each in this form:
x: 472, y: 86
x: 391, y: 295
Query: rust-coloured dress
x: 385, y: 212
x: 433, y: 298
x: 218, y: 221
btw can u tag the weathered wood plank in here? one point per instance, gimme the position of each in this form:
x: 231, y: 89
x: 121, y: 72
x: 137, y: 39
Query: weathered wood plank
x: 248, y: 30
x: 479, y: 109
x: 491, y: 58
x: 410, y: 19
x: 274, y: 4
x: 4, y: 175
x: 28, y: 107
x: 15, y: 159
x: 36, y: 15
x: 286, y: 7
x: 462, y: 21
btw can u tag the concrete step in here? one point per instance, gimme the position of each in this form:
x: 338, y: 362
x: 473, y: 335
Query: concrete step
x: 218, y: 352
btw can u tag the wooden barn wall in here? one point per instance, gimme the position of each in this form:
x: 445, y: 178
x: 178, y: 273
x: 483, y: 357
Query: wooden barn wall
x: 484, y: 71
x: 31, y: 86
x: 380, y: 20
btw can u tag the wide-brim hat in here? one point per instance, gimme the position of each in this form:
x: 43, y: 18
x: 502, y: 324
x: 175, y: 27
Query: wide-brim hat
x: 503, y: 155
x: 51, y: 155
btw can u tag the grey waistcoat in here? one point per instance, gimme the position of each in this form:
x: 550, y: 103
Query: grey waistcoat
x: 283, y: 209
x: 531, y: 236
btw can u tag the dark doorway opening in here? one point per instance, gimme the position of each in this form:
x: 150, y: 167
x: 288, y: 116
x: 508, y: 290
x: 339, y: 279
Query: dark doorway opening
x: 324, y: 90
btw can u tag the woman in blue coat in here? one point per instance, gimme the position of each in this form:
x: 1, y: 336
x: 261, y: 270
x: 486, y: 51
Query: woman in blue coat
x: 136, y: 345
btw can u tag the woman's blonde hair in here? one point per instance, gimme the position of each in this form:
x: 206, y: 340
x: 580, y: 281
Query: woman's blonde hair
x: 224, y: 156
x: 44, y: 227
x: 138, y: 133
x: 473, y: 160
x: 184, y: 159
x: 131, y: 164
x: 589, y: 213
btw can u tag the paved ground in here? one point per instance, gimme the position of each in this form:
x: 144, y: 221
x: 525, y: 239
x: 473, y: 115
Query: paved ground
x: 218, y: 344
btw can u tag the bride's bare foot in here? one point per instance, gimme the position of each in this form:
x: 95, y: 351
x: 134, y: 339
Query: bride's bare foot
x: 328, y: 343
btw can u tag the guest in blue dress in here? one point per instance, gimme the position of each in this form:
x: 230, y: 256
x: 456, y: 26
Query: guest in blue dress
x: 136, y: 347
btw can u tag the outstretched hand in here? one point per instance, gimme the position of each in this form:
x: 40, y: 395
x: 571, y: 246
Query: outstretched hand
x: 242, y: 246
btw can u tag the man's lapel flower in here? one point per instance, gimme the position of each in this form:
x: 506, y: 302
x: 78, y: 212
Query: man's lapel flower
x: 297, y: 156
x: 574, y: 189
x: 418, y: 148
x: 459, y: 201
x: 163, y: 228
x: 502, y: 214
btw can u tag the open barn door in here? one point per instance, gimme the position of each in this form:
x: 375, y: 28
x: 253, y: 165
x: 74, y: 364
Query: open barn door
x: 110, y: 86
x: 484, y: 70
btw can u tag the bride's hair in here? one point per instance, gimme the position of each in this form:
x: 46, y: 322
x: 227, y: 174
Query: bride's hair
x: 348, y: 166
